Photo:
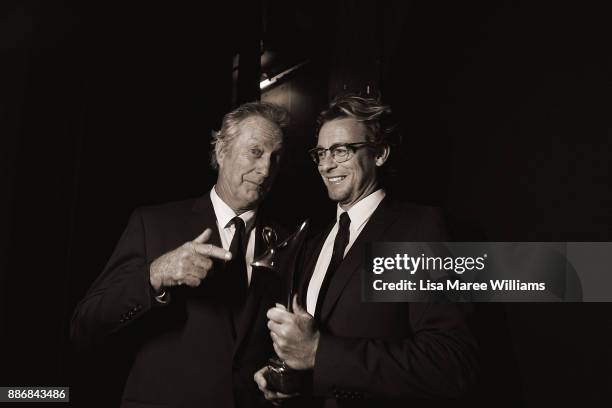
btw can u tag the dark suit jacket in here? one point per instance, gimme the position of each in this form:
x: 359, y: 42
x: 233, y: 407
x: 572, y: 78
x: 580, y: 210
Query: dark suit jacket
x: 387, y: 354
x: 186, y: 354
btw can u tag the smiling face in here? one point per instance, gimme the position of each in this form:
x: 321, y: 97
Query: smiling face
x: 349, y: 181
x: 248, y: 165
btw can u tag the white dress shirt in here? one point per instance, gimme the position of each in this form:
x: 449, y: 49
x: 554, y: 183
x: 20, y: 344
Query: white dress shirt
x: 359, y: 214
x: 224, y: 214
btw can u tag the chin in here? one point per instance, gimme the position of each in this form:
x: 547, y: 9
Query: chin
x: 336, y: 197
x: 252, y: 200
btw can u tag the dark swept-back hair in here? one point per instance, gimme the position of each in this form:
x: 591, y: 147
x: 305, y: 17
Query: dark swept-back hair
x: 374, y: 115
x: 230, y: 127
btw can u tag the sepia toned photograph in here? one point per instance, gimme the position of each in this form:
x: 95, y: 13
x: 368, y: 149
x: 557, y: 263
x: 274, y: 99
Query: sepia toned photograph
x: 305, y: 204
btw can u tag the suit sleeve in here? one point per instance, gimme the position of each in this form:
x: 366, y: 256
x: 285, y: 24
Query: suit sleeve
x: 438, y: 361
x: 121, y: 294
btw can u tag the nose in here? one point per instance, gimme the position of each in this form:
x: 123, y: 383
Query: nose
x: 264, y: 165
x: 327, y: 163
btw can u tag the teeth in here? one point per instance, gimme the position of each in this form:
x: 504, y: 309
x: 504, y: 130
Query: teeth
x: 336, y: 179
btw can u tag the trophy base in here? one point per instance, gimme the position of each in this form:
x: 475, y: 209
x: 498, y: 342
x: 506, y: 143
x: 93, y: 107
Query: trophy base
x: 281, y: 378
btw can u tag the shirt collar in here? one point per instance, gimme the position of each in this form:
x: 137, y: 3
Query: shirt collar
x: 361, y: 212
x: 224, y: 212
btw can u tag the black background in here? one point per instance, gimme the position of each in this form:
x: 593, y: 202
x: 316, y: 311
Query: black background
x: 106, y: 106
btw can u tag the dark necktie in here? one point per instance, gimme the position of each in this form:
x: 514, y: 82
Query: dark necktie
x: 340, y: 243
x: 236, y: 269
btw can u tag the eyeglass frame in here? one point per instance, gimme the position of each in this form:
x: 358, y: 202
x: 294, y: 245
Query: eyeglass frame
x: 351, y: 148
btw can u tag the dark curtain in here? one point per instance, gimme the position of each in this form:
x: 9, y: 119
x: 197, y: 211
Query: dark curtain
x: 107, y: 106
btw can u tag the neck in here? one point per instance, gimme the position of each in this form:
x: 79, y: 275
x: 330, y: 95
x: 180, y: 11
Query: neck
x: 348, y: 205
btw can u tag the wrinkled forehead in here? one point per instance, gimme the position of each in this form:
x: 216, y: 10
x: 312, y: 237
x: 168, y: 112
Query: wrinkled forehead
x: 256, y: 129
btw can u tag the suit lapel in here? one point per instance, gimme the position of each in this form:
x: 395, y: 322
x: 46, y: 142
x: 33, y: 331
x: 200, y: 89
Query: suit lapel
x: 310, y: 264
x: 204, y: 217
x: 378, y: 223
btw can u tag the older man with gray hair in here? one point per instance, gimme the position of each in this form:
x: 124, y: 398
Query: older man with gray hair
x: 180, y: 283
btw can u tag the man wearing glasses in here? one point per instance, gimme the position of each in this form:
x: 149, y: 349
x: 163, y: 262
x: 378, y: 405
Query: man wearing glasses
x: 357, y: 353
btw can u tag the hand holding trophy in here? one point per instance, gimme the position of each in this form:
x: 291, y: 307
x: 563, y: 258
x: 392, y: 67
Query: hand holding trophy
x: 281, y: 258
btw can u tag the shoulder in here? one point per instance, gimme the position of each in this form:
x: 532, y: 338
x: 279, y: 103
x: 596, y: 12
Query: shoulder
x: 409, y: 210
x: 171, y: 213
x: 168, y: 225
x: 415, y: 220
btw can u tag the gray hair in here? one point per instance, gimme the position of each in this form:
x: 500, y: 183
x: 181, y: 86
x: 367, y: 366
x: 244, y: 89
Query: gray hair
x: 230, y: 127
x: 374, y: 115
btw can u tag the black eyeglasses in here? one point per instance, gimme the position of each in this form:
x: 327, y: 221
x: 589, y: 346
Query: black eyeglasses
x: 340, y: 152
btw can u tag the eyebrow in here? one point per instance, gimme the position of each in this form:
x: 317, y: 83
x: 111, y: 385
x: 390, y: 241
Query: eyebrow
x: 331, y: 145
x: 262, y: 147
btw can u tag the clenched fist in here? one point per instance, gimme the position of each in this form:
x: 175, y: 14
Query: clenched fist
x: 188, y: 264
x: 294, y: 336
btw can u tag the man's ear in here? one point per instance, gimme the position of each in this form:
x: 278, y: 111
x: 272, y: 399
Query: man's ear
x: 219, y: 152
x: 382, y: 154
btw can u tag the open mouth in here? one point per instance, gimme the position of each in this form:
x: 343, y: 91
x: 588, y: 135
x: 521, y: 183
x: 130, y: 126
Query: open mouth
x: 335, y: 179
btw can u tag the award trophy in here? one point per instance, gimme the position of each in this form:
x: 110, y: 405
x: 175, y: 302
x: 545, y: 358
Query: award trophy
x: 281, y: 259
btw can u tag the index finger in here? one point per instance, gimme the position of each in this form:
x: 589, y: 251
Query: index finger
x: 212, y: 251
x: 203, y: 237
